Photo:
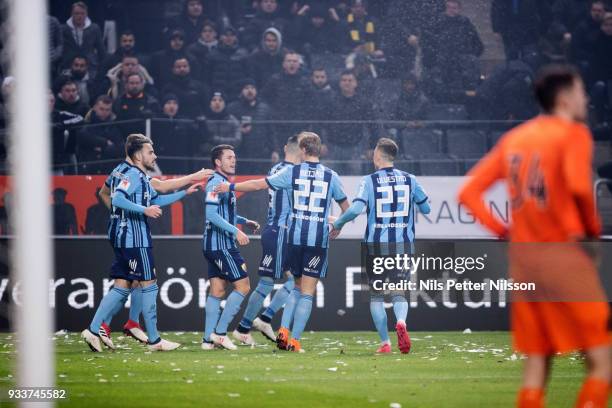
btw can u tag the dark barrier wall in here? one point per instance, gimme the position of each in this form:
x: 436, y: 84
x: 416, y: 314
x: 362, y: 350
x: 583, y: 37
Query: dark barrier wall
x: 82, y: 274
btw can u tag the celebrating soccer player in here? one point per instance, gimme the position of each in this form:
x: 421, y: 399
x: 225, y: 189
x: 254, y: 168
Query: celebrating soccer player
x: 312, y: 187
x: 390, y: 196
x: 133, y: 199
x: 274, y: 257
x: 546, y: 164
x: 219, y: 245
x: 132, y: 327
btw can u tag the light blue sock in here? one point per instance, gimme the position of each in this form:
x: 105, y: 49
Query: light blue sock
x: 279, y: 299
x: 149, y: 312
x: 232, y: 306
x: 290, y: 308
x: 379, y: 315
x: 109, y: 304
x: 136, y: 304
x: 400, y: 308
x: 302, y: 314
x: 256, y: 299
x: 108, y: 319
x: 213, y: 310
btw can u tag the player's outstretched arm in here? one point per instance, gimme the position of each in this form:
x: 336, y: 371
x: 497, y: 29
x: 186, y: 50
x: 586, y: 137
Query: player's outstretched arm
x: 244, y: 187
x: 350, y: 214
x: 213, y: 216
x: 166, y: 186
x: 254, y: 225
x: 167, y: 199
x: 121, y: 201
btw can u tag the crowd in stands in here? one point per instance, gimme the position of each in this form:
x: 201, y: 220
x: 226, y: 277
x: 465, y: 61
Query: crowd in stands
x: 250, y: 73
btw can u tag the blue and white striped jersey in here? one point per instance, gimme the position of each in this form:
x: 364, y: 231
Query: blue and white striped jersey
x: 311, y: 186
x: 390, y: 196
x: 128, y: 229
x: 279, y: 204
x: 215, y: 238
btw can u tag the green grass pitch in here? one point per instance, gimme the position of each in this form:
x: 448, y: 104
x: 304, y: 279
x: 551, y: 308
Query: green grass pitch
x: 339, y: 369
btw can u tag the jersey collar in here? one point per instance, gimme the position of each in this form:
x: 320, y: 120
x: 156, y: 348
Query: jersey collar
x: 136, y: 167
x: 221, y: 175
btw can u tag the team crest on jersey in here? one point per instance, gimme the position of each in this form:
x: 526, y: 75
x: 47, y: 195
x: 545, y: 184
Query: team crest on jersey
x: 212, y: 197
x: 124, y: 185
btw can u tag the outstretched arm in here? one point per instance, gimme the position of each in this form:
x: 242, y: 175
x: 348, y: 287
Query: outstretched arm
x: 244, y: 187
x: 166, y: 186
x: 167, y: 199
x: 349, y: 214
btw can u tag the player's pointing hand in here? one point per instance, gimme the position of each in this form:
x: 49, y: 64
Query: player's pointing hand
x: 222, y: 188
x: 193, y: 188
x: 153, y: 211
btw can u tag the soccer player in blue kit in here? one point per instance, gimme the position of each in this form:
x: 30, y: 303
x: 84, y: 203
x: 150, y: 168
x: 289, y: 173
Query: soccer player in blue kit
x: 225, y: 264
x: 312, y: 187
x: 274, y: 257
x: 133, y: 199
x: 390, y: 196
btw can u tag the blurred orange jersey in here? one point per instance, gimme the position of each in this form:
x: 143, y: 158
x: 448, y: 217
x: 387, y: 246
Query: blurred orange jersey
x: 546, y: 164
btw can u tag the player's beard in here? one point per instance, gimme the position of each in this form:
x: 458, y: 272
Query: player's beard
x: 149, y: 167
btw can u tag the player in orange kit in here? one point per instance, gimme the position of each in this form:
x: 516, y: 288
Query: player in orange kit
x: 546, y: 165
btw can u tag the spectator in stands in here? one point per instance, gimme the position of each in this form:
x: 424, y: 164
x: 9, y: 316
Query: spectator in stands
x: 173, y: 138
x: 570, y: 13
x: 135, y: 103
x: 520, y: 24
x: 349, y: 141
x: 267, y: 16
x: 412, y: 104
x: 201, y: 50
x: 320, y: 93
x: 83, y: 37
x: 191, y: 93
x: 586, y: 33
x: 63, y: 138
x: 56, y: 43
x: 96, y: 220
x: 162, y: 61
x: 318, y: 29
x: 113, y: 83
x: 601, y: 70
x: 99, y: 142
x: 68, y: 99
x: 127, y: 47
x: 220, y: 127
x: 554, y: 46
x: 457, y: 45
x: 400, y: 38
x: 79, y: 74
x: 286, y: 93
x: 64, y: 215
x: 190, y: 21
x: 229, y: 64
x: 267, y: 60
x: 257, y: 138
x: 361, y: 30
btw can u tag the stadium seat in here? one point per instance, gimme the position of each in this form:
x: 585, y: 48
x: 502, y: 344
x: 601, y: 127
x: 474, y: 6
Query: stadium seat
x: 438, y: 164
x: 386, y: 96
x: 443, y: 112
x: 466, y: 143
x: 421, y: 141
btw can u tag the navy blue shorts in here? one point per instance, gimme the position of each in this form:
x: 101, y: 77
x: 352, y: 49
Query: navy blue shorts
x: 305, y: 260
x: 274, y: 252
x: 133, y: 264
x: 226, y: 264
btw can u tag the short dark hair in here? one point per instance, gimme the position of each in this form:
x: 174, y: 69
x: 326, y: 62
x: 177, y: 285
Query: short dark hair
x: 139, y: 75
x: 127, y: 32
x: 67, y: 82
x: 217, y: 151
x: 134, y: 143
x: 211, y: 24
x: 348, y: 72
x: 129, y: 56
x: 311, y: 143
x: 79, y: 4
x: 80, y: 56
x: 319, y: 68
x: 551, y: 80
x: 105, y: 99
x: 387, y: 147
